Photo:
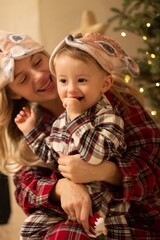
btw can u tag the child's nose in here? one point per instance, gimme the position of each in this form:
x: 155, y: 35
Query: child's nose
x: 72, y: 88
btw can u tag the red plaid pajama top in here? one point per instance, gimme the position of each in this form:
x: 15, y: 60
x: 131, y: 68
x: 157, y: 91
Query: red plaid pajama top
x: 140, y: 168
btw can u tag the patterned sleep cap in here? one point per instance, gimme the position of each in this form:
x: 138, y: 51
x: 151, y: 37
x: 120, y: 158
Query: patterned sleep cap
x: 13, y: 47
x: 103, y: 49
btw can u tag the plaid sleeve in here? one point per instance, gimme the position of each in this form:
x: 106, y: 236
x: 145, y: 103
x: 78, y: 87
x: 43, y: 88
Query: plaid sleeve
x: 39, y: 139
x: 141, y: 162
x: 140, y: 166
x: 33, y: 186
x: 39, y: 143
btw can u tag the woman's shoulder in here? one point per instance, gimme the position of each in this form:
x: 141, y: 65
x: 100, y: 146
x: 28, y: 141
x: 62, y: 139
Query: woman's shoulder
x: 133, y: 114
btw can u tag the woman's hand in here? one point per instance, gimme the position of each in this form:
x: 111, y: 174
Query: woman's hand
x: 79, y: 171
x: 75, y: 201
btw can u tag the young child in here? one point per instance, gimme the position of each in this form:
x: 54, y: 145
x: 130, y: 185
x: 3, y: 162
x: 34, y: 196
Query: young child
x: 83, y: 67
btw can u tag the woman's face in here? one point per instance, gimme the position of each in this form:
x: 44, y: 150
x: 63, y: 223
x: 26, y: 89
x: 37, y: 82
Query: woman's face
x: 33, y: 80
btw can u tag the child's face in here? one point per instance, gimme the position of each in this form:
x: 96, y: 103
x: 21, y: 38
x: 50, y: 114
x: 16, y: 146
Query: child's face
x: 81, y: 80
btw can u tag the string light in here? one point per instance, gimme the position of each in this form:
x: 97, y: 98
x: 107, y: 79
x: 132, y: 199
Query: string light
x: 127, y: 78
x: 153, y: 112
x: 153, y: 55
x: 141, y: 89
x: 123, y: 34
x: 148, y: 24
x: 157, y: 84
x: 144, y: 38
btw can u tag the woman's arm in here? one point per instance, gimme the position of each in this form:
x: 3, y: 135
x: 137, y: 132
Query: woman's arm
x: 79, y: 171
x: 33, y: 186
x: 140, y: 164
x: 38, y: 187
x: 75, y: 200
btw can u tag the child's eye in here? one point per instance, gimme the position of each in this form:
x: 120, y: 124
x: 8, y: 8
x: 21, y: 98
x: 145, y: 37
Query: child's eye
x: 82, y: 80
x: 62, y: 80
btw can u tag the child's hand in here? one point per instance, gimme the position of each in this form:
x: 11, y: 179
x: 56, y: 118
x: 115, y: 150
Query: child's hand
x: 26, y: 120
x: 73, y: 107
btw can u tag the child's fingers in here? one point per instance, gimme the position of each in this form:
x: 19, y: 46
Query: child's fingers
x: 24, y: 113
x: 32, y: 111
x: 26, y: 110
x: 18, y: 118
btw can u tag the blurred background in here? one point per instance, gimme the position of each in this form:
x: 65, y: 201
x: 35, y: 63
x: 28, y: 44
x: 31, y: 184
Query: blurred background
x: 133, y: 24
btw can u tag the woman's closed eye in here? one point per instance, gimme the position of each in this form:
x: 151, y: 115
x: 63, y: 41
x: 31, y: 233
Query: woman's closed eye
x: 37, y: 62
x: 23, y: 79
x: 37, y: 59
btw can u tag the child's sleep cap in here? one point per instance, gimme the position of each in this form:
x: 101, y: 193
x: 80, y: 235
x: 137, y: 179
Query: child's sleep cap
x: 103, y: 49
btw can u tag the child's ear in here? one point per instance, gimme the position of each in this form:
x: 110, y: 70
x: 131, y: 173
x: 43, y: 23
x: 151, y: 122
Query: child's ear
x: 107, y: 83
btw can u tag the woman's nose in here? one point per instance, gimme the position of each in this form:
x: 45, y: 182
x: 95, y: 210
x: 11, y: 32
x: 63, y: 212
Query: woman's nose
x: 37, y: 75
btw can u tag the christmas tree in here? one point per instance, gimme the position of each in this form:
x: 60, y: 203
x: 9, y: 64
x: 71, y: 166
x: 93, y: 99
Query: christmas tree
x: 143, y: 19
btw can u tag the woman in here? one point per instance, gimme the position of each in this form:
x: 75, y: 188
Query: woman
x: 136, y: 179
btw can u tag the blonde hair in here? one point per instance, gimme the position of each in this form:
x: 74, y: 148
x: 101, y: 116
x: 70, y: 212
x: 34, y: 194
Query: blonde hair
x: 13, y: 149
